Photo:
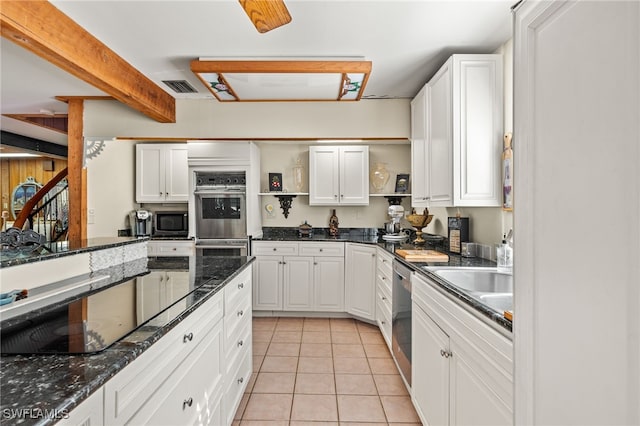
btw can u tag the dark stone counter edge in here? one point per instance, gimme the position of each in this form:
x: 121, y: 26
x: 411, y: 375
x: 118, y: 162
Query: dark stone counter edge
x: 91, y: 244
x: 478, y: 307
x: 127, y: 353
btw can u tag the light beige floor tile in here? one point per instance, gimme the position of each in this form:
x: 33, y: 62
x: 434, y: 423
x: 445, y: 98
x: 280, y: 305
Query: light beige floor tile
x: 262, y: 336
x: 403, y: 424
x: 303, y: 423
x: 377, y: 351
x: 355, y: 384
x: 390, y: 384
x: 279, y: 364
x: 348, y: 351
x: 264, y: 423
x: 345, y: 337
x: 242, y: 406
x: 260, y: 348
x: 289, y: 324
x: 316, y: 350
x: 316, y: 337
x: 252, y: 382
x: 343, y: 324
x: 361, y: 424
x: 360, y: 408
x: 316, y: 324
x: 383, y: 366
x: 364, y: 327
x: 315, y: 365
x: 257, y: 362
x: 318, y: 384
x: 235, y: 423
x: 287, y: 337
x: 372, y: 339
x: 314, y: 408
x: 399, y: 409
x: 351, y: 366
x: 275, y: 383
x: 283, y: 349
x: 264, y: 406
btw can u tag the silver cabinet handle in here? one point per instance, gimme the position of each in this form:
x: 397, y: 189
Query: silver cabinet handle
x: 275, y: 249
x: 284, y: 263
x: 240, y: 380
x: 241, y: 286
x: 187, y: 403
x: 240, y: 313
x: 383, y: 298
x: 320, y: 249
x: 383, y: 322
x: 341, y: 195
x: 445, y: 354
x: 335, y: 196
x: 187, y: 338
x: 315, y: 263
x: 240, y: 343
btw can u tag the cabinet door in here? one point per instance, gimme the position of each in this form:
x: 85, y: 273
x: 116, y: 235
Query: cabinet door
x: 267, y: 283
x: 328, y: 282
x: 475, y: 401
x: 298, y: 283
x: 360, y: 283
x: 477, y: 131
x: 439, y: 140
x: 354, y: 175
x: 89, y: 413
x: 150, y: 166
x: 429, y: 376
x: 324, y: 175
x: 419, y: 152
x: 176, y: 174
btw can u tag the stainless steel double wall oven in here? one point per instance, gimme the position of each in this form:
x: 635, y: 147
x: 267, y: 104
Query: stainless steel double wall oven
x: 221, y: 213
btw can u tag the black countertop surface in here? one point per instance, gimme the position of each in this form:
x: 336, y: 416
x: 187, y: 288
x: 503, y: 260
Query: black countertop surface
x: 64, y: 248
x: 60, y: 382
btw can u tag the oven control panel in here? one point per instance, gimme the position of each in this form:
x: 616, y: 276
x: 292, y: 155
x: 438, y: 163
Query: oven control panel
x: 208, y: 179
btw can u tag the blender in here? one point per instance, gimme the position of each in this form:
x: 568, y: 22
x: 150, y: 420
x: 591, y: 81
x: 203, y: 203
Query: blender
x: 393, y: 229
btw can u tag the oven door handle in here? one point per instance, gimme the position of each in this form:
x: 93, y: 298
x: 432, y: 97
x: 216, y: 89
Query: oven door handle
x: 219, y: 192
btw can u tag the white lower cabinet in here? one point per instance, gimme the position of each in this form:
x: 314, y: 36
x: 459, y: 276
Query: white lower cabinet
x: 309, y: 276
x: 89, y: 413
x: 465, y: 373
x: 384, y: 274
x: 360, y: 280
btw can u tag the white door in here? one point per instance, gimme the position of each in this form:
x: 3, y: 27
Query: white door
x: 419, y: 153
x: 354, y: 175
x: 360, y: 284
x: 177, y: 174
x: 328, y: 282
x: 439, y: 141
x: 324, y: 175
x: 430, y: 369
x: 150, y: 186
x: 298, y: 283
x: 267, y: 283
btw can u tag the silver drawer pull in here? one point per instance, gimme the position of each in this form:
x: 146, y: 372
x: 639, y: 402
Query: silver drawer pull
x: 240, y: 313
x: 445, y: 354
x: 241, y: 285
x: 320, y: 249
x: 383, y: 298
x: 240, y: 343
x: 187, y: 337
x: 240, y: 380
x: 275, y: 249
x: 187, y: 403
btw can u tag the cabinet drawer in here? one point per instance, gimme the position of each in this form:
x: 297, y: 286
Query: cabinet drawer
x: 384, y: 294
x: 383, y: 317
x: 235, y: 321
x: 126, y: 392
x: 237, y: 347
x: 170, y: 248
x: 195, y: 387
x: 236, y: 384
x: 321, y: 249
x: 238, y: 290
x: 385, y: 262
x: 384, y: 280
x: 270, y: 248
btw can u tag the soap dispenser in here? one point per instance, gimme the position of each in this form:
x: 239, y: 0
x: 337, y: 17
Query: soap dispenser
x: 504, y: 255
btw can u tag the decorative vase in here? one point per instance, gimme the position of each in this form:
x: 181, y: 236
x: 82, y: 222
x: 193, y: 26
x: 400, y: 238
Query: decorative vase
x: 379, y: 176
x: 298, y: 176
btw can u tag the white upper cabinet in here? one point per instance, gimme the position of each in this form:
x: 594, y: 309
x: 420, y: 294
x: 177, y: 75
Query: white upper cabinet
x: 339, y: 175
x: 162, y: 173
x: 460, y: 162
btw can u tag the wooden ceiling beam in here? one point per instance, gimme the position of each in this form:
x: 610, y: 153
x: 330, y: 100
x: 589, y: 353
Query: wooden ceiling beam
x: 41, y: 28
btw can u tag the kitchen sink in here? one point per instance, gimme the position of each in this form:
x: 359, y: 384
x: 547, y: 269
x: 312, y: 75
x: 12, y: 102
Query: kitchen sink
x: 486, y: 285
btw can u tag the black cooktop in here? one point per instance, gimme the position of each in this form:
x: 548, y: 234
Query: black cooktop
x: 92, y: 323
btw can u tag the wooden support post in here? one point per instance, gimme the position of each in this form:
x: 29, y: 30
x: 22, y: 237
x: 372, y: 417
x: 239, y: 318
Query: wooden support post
x: 77, y: 174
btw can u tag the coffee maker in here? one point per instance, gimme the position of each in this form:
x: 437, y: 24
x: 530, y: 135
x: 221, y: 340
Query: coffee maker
x: 140, y: 223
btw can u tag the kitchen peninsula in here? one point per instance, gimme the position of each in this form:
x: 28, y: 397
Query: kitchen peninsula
x: 183, y: 312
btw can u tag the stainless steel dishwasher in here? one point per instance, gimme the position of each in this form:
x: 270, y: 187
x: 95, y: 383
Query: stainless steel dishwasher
x: 401, y: 319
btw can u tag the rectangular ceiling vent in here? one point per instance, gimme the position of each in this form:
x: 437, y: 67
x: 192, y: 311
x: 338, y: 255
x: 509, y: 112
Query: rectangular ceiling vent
x: 180, y: 86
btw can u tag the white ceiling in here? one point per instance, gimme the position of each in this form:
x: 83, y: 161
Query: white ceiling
x: 405, y: 40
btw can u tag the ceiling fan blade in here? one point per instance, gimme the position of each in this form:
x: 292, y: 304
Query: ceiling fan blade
x: 266, y: 14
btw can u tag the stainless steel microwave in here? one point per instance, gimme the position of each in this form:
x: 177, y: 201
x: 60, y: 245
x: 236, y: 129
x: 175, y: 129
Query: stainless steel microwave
x: 170, y: 224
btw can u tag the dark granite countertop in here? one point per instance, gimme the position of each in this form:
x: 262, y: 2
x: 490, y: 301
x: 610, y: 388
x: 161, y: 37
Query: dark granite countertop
x: 65, y: 248
x: 373, y: 236
x: 61, y: 382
